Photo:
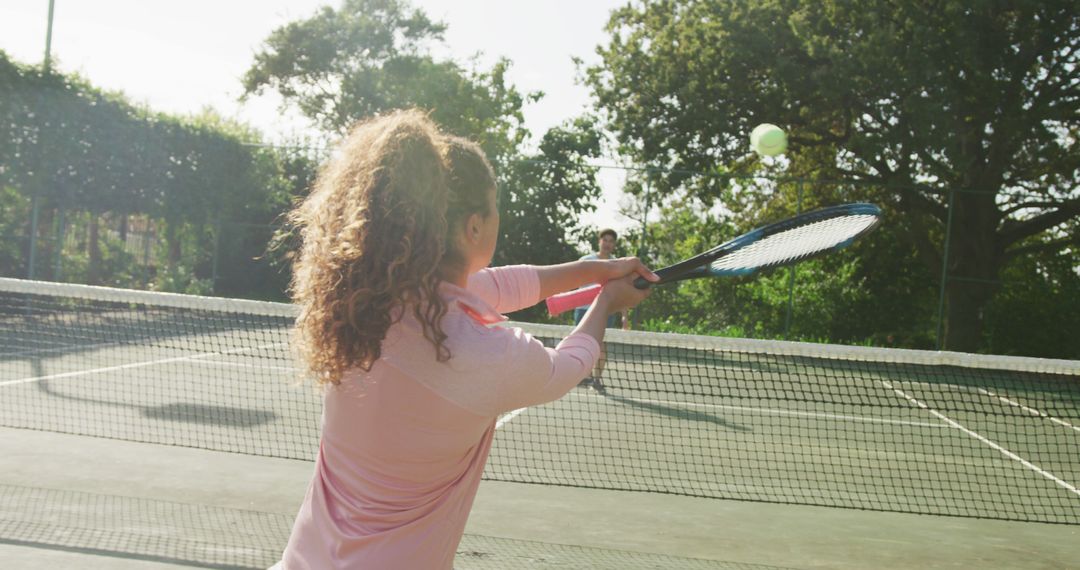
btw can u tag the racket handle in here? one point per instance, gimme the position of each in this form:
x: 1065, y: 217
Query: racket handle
x: 558, y: 304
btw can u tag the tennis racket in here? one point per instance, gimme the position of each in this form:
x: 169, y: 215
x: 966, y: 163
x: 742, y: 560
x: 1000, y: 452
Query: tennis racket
x: 775, y: 245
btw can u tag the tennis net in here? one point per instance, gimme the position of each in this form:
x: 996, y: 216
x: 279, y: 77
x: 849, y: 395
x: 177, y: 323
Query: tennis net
x: 854, y: 427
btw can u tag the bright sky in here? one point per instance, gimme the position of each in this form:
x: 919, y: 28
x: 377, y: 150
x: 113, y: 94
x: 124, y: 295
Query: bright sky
x: 180, y: 57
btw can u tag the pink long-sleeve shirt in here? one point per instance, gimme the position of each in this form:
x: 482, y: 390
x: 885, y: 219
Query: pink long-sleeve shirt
x: 404, y: 445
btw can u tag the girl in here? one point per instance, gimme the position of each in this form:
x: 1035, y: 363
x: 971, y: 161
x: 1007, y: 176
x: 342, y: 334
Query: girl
x: 396, y: 299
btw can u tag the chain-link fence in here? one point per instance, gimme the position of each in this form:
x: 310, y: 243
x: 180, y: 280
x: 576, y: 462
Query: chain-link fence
x: 140, y: 252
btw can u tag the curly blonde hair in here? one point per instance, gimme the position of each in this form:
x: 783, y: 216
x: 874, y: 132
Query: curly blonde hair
x: 377, y: 230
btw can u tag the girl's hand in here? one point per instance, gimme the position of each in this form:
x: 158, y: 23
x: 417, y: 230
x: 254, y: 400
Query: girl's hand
x: 621, y: 294
x: 623, y: 266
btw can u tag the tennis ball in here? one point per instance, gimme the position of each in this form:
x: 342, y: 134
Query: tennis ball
x: 768, y: 140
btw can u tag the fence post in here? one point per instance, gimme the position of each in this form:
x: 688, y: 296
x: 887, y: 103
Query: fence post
x: 58, y: 239
x: 35, y: 210
x: 217, y: 253
x: 147, y: 236
x: 791, y: 272
x: 944, y: 274
x: 635, y: 314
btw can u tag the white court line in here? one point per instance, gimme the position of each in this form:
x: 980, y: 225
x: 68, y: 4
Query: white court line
x: 782, y: 412
x: 1030, y: 410
x: 1060, y: 482
x: 991, y: 394
x: 131, y: 365
x: 216, y: 363
x: 81, y: 347
x: 774, y: 411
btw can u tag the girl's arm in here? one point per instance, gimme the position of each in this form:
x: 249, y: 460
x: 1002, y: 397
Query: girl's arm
x: 531, y: 374
x: 555, y: 279
x: 514, y: 287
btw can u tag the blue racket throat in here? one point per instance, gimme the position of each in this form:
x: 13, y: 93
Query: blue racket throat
x: 730, y: 272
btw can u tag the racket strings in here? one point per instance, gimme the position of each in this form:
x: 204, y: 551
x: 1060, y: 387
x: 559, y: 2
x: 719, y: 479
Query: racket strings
x: 795, y: 243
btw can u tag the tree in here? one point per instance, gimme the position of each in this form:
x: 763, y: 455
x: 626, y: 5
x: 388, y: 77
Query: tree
x: 1035, y: 313
x: 370, y: 56
x: 90, y: 156
x: 952, y: 108
x: 542, y: 193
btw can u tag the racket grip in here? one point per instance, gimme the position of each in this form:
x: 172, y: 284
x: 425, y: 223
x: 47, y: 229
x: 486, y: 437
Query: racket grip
x: 558, y: 304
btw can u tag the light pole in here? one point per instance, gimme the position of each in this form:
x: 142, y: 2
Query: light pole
x: 35, y: 208
x: 791, y: 273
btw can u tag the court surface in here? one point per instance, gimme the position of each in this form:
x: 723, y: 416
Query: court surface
x: 80, y: 502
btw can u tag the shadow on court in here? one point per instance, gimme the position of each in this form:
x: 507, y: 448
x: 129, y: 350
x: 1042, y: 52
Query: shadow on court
x: 187, y: 412
x: 677, y: 413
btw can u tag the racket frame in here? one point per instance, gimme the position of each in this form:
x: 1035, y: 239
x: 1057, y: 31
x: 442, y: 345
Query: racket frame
x: 700, y: 265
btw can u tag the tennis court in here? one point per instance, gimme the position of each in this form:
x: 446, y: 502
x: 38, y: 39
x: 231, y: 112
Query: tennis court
x: 165, y: 429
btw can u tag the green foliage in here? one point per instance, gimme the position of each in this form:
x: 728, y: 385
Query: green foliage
x: 367, y: 57
x: 14, y: 213
x: 671, y: 325
x: 909, y: 99
x: 343, y: 64
x: 860, y: 295
x: 181, y: 279
x: 1035, y: 314
x: 85, y: 152
x: 298, y: 171
x: 542, y: 195
x: 118, y: 266
x: 901, y: 103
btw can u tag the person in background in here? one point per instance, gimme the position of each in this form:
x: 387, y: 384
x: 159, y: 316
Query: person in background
x: 607, y: 240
